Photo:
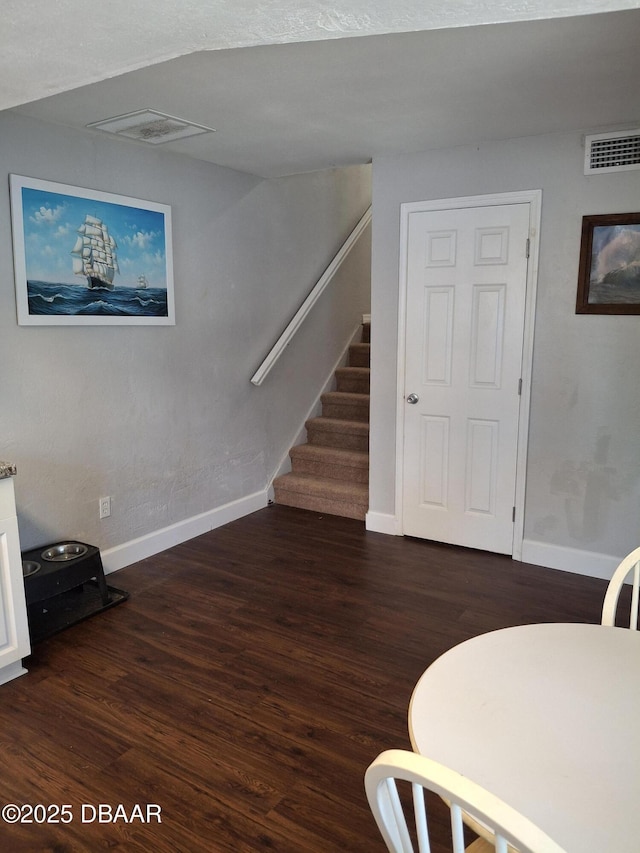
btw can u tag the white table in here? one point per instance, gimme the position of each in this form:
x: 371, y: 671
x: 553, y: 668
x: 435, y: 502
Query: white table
x: 548, y: 718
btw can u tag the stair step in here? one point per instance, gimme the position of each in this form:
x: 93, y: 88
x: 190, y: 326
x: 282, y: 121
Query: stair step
x: 331, y: 462
x: 354, y: 379
x: 334, y: 432
x: 359, y: 355
x: 350, y: 500
x: 345, y: 405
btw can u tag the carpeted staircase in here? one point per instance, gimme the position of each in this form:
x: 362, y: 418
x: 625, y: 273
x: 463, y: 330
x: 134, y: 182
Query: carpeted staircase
x: 331, y: 472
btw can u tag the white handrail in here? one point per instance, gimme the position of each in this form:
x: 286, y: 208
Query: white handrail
x: 285, y: 338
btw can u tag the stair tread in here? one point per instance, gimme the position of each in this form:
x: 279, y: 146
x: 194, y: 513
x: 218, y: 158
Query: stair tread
x: 312, y: 484
x: 337, y: 455
x: 359, y: 355
x: 353, y: 380
x: 338, y: 425
x: 318, y: 503
x: 352, y: 397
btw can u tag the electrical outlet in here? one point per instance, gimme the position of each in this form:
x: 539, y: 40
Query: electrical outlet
x: 105, y: 507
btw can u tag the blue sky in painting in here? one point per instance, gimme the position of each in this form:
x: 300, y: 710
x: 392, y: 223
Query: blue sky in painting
x: 51, y: 221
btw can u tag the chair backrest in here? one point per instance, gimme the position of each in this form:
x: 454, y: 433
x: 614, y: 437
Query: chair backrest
x: 461, y: 795
x: 629, y: 566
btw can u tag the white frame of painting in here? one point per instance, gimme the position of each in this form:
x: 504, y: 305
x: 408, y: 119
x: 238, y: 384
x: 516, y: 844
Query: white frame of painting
x: 160, y: 213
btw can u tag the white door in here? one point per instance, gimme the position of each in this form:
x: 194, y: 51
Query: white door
x: 466, y: 279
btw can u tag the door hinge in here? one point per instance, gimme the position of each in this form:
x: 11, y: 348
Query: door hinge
x: 513, y: 515
x: 528, y: 246
x: 520, y: 387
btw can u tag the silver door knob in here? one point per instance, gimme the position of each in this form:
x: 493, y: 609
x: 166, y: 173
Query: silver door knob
x: 413, y: 399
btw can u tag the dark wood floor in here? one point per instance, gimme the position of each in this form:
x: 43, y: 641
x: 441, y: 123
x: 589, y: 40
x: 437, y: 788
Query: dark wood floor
x: 248, y: 682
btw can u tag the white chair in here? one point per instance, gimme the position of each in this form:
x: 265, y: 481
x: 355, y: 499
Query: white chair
x: 630, y: 564
x: 509, y: 827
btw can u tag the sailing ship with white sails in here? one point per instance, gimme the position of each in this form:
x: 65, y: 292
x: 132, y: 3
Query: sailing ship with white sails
x: 94, y: 254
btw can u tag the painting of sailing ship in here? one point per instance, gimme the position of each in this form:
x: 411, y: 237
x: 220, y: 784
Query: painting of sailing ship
x: 609, y: 275
x: 95, y: 254
x: 84, y: 257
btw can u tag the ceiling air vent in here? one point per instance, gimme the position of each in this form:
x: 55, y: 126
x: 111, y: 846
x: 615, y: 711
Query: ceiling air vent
x: 150, y: 126
x: 612, y: 152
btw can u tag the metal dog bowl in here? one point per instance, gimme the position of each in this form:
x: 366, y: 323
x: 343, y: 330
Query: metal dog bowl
x: 29, y: 567
x: 64, y: 551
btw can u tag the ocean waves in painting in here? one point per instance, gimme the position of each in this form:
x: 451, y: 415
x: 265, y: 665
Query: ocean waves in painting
x: 69, y: 300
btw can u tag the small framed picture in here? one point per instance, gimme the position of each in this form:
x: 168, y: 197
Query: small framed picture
x: 609, y: 272
x: 85, y: 257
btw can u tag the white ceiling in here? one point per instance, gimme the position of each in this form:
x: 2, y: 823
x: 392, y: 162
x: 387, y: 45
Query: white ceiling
x: 314, y: 100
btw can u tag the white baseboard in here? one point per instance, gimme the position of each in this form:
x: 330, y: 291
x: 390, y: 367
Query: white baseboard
x: 579, y: 562
x: 11, y: 671
x: 146, y: 546
x: 382, y: 522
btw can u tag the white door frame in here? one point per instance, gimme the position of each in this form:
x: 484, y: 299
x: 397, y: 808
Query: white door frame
x: 534, y: 199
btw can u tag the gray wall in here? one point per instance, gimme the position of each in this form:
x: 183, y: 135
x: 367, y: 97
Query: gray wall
x: 164, y: 419
x: 583, y: 465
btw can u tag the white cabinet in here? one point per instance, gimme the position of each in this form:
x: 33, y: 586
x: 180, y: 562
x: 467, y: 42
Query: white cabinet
x: 14, y: 629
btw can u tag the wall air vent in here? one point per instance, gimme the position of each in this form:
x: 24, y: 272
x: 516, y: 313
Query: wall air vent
x: 612, y: 152
x: 150, y: 126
